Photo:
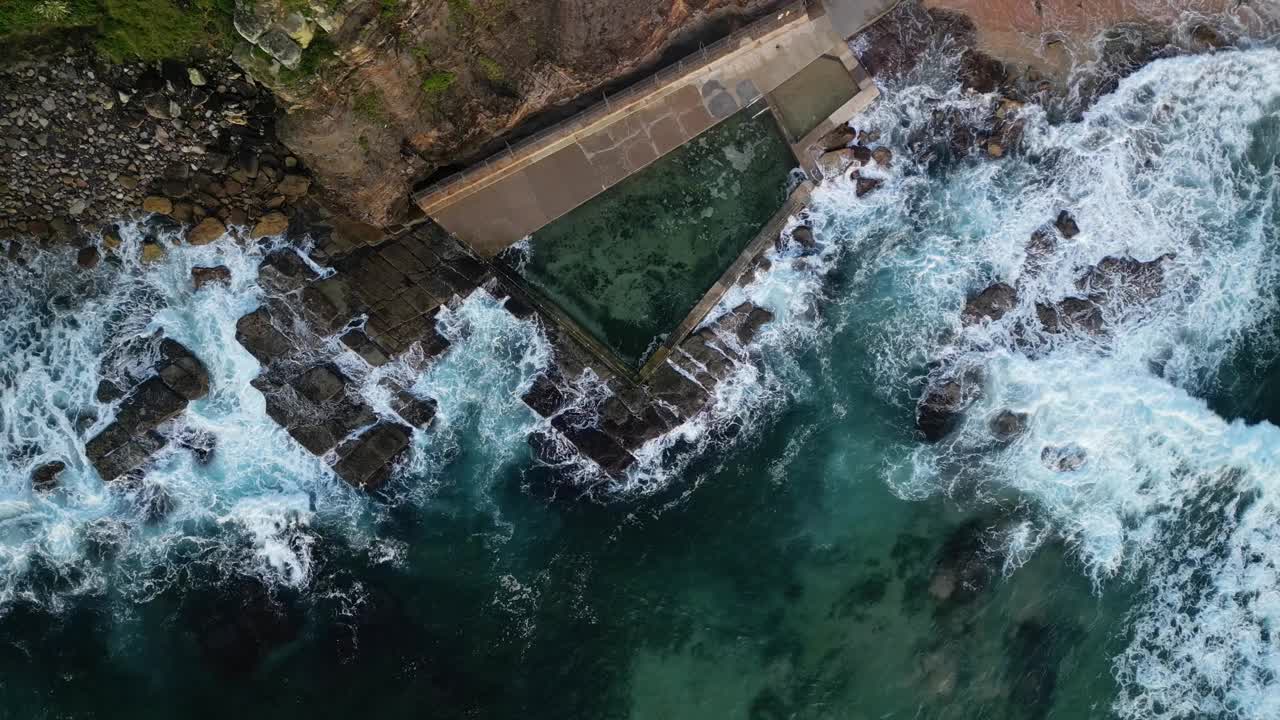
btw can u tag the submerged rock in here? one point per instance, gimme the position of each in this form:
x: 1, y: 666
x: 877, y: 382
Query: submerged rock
x: 44, y: 479
x: 88, y: 257
x: 940, y: 407
x: 1007, y: 425
x: 1064, y: 458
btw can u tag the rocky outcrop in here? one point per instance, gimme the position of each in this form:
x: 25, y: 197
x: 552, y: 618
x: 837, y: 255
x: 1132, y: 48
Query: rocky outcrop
x: 136, y: 434
x: 381, y: 305
x: 86, y: 144
x: 387, y: 96
x: 632, y: 414
x: 991, y: 304
x: 1119, y: 284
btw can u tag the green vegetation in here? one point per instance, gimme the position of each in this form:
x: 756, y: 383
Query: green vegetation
x: 368, y: 106
x: 390, y: 8
x: 320, y: 54
x: 438, y: 83
x: 492, y: 71
x: 460, y: 9
x: 123, y: 29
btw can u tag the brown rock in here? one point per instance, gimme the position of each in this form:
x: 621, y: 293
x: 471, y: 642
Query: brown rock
x: 207, y: 231
x: 864, y: 185
x: 990, y: 304
x: 183, y: 212
x: 294, y: 186
x: 152, y: 252
x: 834, y: 163
x: 273, y: 223
x: 367, y: 460
x: 88, y: 257
x: 202, y: 276
x: 995, y: 149
x: 45, y: 478
x: 883, y: 156
x: 839, y: 138
x: 157, y: 204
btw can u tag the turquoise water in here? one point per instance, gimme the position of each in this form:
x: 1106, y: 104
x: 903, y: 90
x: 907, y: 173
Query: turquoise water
x: 796, y: 553
x: 632, y: 262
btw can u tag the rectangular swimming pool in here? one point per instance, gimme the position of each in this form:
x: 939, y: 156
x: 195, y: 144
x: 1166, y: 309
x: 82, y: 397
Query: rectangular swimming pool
x: 631, y: 263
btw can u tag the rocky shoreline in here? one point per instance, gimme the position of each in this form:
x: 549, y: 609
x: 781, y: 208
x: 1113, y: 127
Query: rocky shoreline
x: 193, y: 145
x: 89, y: 145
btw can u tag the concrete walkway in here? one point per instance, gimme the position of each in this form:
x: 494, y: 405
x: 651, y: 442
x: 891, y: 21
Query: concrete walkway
x: 511, y: 196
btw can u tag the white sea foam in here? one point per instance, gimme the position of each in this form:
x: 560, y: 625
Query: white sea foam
x: 1182, y: 159
x: 262, y: 503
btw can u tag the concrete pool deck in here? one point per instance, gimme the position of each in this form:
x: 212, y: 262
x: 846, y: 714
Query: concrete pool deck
x: 510, y: 196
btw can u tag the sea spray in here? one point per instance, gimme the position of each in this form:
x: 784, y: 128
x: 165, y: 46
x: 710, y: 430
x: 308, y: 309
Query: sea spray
x: 259, y: 505
x: 1179, y: 160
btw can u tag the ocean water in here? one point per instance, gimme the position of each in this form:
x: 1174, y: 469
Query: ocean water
x: 795, y: 553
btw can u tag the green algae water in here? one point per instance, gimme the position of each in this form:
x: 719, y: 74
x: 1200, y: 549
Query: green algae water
x: 632, y: 262
x: 797, y: 551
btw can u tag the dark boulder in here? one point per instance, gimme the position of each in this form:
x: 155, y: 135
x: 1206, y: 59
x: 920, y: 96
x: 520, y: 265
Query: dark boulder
x: 108, y: 392
x: 1071, y: 314
x: 150, y: 404
x: 256, y: 333
x: 990, y: 304
x: 288, y: 263
x: 545, y: 396
x: 836, y: 139
x: 182, y: 371
x: 360, y: 343
x: 753, y: 317
x: 44, y: 479
x: 88, y: 257
x: 1066, y: 224
x: 594, y: 443
x: 417, y: 412
x: 1126, y: 278
x: 1040, y: 247
x: 1063, y: 458
x: 942, y: 404
x: 864, y: 185
x: 367, y: 460
x: 116, y: 452
x: 803, y: 236
x: 203, y: 276
x: 1007, y: 425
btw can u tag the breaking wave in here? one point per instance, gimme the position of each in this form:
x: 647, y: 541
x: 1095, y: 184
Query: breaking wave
x: 1181, y: 159
x: 259, y: 505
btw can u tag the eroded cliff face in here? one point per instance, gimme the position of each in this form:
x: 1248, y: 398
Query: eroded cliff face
x: 399, y: 90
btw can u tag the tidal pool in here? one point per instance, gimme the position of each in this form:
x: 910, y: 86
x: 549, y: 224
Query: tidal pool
x: 631, y: 263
